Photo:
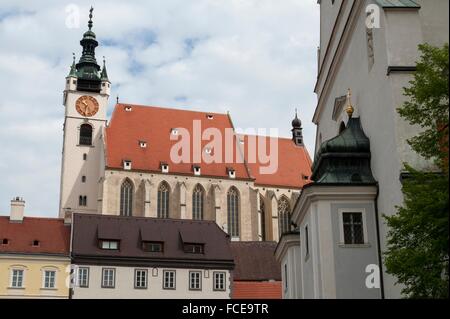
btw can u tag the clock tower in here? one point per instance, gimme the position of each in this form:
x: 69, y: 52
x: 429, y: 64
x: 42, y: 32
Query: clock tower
x: 86, y: 94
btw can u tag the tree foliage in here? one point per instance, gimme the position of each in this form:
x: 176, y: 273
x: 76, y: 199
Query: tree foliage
x: 417, y: 251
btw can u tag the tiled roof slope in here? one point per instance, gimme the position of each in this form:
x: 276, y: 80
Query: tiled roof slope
x: 154, y: 125
x: 131, y: 231
x: 294, y: 164
x: 255, y: 261
x: 398, y: 4
x: 256, y: 290
x: 52, y: 234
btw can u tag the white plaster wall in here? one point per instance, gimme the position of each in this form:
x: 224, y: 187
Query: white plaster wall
x: 124, y: 285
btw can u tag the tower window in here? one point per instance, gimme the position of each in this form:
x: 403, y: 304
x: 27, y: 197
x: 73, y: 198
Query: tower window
x: 82, y: 200
x: 86, y: 134
x: 84, y: 157
x: 83, y: 179
x: 353, y: 228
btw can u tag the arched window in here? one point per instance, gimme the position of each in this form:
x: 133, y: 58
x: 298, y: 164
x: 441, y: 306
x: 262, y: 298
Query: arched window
x: 197, y: 202
x: 126, y: 198
x: 85, y: 134
x: 284, y: 216
x: 262, y: 211
x: 163, y: 200
x: 233, y: 212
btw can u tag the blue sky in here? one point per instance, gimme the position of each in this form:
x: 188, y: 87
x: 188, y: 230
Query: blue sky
x: 254, y: 58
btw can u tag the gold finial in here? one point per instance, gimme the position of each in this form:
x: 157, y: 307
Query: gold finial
x: 350, y: 110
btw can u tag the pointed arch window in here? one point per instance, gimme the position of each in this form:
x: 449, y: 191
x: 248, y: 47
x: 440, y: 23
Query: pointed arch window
x: 262, y: 211
x: 86, y: 134
x: 126, y: 198
x: 163, y: 200
x: 233, y: 212
x: 284, y: 216
x: 197, y: 202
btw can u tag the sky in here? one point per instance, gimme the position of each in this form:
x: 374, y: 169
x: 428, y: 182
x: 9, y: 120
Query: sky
x: 253, y: 58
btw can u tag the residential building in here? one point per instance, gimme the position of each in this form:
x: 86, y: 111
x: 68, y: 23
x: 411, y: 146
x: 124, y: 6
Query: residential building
x: 149, y: 258
x: 34, y: 255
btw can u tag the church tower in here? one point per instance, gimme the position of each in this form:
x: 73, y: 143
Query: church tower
x: 86, y: 96
x: 297, y: 134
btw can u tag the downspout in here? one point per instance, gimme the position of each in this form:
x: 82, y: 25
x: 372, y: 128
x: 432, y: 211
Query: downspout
x: 380, y: 260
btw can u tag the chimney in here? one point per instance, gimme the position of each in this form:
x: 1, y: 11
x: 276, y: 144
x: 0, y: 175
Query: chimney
x: 17, y: 210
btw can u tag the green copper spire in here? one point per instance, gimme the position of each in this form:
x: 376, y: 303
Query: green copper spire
x: 104, y: 76
x: 73, y: 68
x: 88, y: 69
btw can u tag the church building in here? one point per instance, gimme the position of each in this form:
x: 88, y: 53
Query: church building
x: 129, y: 165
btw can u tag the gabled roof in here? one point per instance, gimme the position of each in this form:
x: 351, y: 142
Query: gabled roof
x: 255, y: 261
x: 154, y: 125
x: 293, y: 168
x: 52, y: 234
x: 131, y: 124
x: 132, y: 231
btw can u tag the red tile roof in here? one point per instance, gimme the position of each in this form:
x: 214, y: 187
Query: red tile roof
x: 256, y: 290
x: 52, y: 234
x: 294, y: 164
x: 154, y: 126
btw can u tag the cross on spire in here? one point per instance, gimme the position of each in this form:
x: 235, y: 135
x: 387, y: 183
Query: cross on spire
x: 90, y: 23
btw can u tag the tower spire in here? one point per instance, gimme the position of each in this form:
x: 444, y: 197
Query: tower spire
x: 90, y: 23
x: 297, y: 135
x: 349, y: 110
x: 104, y: 75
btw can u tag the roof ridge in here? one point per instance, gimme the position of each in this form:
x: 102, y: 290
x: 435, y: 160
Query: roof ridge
x: 37, y: 218
x: 168, y: 108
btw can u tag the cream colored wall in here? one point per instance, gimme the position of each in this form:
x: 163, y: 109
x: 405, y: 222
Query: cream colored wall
x: 33, y: 267
x: 124, y: 285
x: 180, y: 206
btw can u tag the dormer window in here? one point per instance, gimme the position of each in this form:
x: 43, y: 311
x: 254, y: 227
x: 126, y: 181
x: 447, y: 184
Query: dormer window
x: 36, y: 243
x: 231, y: 172
x: 127, y: 165
x: 109, y: 244
x: 194, y: 248
x: 208, y: 151
x: 197, y: 170
x: 210, y: 117
x: 143, y: 144
x: 174, y: 131
x: 5, y: 241
x: 164, y: 167
x: 152, y: 247
x: 128, y: 108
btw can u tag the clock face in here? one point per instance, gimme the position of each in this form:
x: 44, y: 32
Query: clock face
x: 87, y: 106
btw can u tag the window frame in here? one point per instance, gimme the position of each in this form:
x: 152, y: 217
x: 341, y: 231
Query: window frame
x: 11, y: 283
x: 79, y: 283
x: 85, y: 124
x: 214, y: 281
x: 235, y: 230
x: 195, y: 272
x: 198, y: 202
x: 341, y: 213
x: 166, y: 271
x: 161, y: 244
x: 102, y: 241
x: 163, y: 211
x: 145, y: 271
x: 44, y: 279
x: 307, y: 242
x: 113, y: 278
x: 126, y: 198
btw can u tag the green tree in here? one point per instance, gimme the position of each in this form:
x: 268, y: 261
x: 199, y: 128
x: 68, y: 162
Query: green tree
x: 417, y: 252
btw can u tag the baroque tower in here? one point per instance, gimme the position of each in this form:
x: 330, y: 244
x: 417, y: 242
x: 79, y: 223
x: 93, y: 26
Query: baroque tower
x: 86, y: 94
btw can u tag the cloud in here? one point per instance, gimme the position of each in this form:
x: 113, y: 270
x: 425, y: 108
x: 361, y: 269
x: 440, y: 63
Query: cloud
x: 254, y: 58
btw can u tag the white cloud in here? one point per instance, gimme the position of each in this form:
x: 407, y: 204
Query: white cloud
x: 254, y: 58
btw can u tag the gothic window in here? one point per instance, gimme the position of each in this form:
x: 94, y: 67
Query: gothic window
x: 233, y: 212
x: 262, y: 211
x: 126, y: 198
x: 197, y: 202
x: 163, y: 200
x: 284, y: 216
x: 82, y: 200
x: 85, y: 134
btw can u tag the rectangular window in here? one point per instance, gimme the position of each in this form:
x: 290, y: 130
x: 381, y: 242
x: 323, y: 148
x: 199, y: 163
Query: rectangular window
x: 219, y: 281
x: 140, y: 279
x: 307, y: 241
x: 169, y: 279
x: 17, y: 278
x: 285, y: 277
x: 108, y: 277
x: 152, y: 247
x: 193, y: 248
x: 195, y: 280
x: 353, y: 228
x: 49, y: 279
x: 109, y: 244
x: 83, y: 277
